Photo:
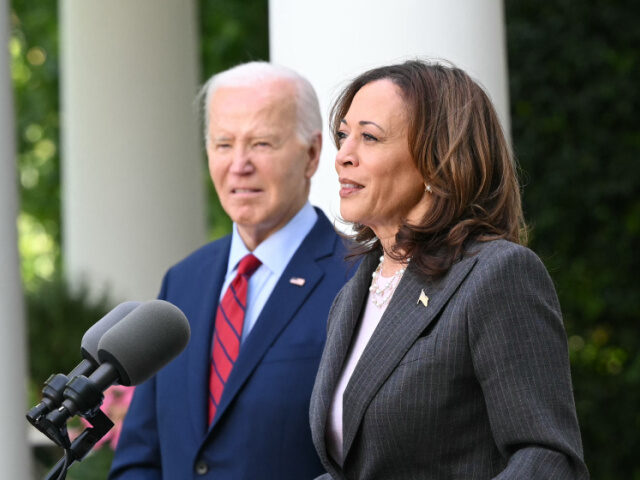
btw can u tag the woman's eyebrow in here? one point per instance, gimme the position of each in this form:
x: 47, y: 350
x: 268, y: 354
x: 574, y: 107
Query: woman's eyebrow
x: 368, y: 122
x: 363, y: 123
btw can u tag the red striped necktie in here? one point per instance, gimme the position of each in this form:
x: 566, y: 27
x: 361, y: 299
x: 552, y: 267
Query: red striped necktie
x: 227, y: 335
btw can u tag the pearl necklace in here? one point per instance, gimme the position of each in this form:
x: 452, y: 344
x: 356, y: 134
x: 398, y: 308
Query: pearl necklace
x: 380, y: 296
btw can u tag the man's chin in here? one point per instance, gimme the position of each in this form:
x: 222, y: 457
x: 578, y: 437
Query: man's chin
x: 245, y: 212
x: 247, y: 220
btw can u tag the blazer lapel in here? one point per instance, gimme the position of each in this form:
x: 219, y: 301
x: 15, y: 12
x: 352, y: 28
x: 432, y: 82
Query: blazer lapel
x: 199, y: 350
x: 284, y: 302
x: 343, y: 321
x: 403, y: 321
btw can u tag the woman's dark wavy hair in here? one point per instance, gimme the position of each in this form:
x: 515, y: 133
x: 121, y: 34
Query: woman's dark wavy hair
x: 457, y: 144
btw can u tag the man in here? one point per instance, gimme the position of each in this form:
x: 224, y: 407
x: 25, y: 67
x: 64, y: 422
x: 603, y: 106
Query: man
x: 235, y: 404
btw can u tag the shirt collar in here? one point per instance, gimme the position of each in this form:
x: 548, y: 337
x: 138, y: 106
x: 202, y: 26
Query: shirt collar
x: 276, y: 251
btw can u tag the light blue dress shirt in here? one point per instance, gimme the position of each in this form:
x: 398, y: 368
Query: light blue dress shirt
x: 274, y: 253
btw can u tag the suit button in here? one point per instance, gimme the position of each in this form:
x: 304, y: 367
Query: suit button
x: 202, y: 467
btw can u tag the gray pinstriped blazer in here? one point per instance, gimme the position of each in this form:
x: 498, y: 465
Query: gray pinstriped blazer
x: 476, y: 385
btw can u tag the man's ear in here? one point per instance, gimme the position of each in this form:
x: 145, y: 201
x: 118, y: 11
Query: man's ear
x: 313, y: 155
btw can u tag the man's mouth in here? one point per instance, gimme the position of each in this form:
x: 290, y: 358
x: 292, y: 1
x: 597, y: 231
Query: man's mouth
x: 245, y: 190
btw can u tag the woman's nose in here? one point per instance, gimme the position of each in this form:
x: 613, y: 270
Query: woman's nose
x: 346, y: 154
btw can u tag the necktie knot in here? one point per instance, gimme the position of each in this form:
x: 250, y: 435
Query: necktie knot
x: 248, y: 265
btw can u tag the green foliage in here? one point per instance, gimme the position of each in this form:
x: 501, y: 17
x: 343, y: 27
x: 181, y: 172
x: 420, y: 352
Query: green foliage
x: 57, y: 317
x: 93, y: 467
x: 34, y: 67
x: 231, y: 33
x: 574, y: 76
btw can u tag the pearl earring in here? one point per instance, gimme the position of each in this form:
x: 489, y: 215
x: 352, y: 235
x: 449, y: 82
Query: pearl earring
x: 427, y: 188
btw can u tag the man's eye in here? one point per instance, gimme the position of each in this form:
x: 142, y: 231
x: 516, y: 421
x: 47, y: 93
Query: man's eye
x: 223, y: 146
x: 262, y: 144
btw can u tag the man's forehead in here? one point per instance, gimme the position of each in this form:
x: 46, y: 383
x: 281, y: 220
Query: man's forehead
x: 267, y: 111
x: 258, y: 95
x: 264, y: 121
x: 220, y: 134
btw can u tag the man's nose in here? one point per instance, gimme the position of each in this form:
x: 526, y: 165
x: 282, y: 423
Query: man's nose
x: 241, y: 161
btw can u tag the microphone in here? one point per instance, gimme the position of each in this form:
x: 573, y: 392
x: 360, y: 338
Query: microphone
x: 52, y: 392
x: 91, y: 338
x: 130, y: 352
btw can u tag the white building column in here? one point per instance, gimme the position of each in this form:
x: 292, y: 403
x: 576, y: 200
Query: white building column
x: 332, y: 41
x: 14, y: 452
x: 133, y: 171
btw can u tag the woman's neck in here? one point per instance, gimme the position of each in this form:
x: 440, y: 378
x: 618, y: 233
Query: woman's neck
x: 389, y: 264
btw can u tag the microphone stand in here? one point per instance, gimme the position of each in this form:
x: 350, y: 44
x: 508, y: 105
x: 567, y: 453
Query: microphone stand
x: 100, y: 425
x: 81, y: 396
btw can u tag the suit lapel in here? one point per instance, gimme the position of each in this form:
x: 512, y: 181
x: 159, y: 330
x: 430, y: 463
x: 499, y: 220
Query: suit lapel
x: 403, y: 321
x: 343, y: 321
x: 199, y: 350
x: 283, y: 303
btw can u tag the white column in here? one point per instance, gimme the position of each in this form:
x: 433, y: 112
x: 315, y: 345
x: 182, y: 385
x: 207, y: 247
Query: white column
x: 332, y: 41
x: 14, y: 451
x: 133, y: 171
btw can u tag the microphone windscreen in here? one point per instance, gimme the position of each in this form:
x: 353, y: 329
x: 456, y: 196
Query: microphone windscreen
x: 145, y: 341
x: 89, y: 344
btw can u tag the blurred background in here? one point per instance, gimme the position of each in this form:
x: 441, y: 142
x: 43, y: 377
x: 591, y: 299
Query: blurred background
x: 573, y: 100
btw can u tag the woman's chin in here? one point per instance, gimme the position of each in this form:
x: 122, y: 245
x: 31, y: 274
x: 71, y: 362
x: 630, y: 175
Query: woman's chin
x: 350, y: 216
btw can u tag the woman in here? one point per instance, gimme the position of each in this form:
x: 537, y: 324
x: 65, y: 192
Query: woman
x: 446, y: 356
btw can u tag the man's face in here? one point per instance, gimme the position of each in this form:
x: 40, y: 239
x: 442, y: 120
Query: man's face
x: 259, y: 166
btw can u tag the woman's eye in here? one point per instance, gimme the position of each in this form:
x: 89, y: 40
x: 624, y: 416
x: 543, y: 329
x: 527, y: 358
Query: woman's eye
x: 340, y: 135
x: 369, y: 138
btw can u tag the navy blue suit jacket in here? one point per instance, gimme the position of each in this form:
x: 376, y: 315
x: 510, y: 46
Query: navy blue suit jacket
x: 261, y: 429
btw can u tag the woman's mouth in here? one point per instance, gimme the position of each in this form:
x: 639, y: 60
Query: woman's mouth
x: 349, y: 187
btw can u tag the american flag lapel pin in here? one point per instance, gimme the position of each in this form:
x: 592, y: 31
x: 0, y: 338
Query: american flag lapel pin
x: 297, y: 281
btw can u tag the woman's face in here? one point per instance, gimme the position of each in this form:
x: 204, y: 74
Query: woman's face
x: 380, y: 185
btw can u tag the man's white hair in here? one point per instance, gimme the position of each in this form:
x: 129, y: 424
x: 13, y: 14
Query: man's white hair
x: 308, y: 117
